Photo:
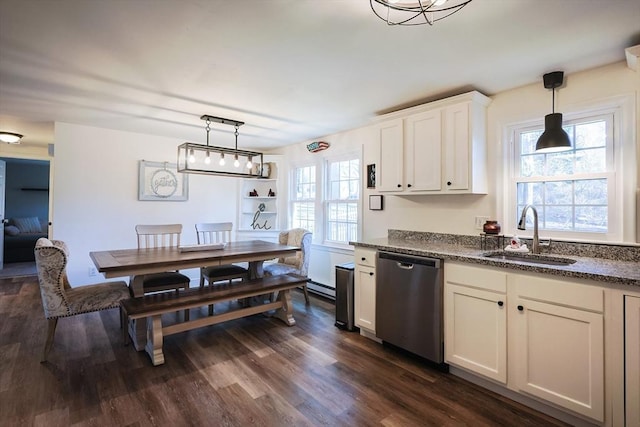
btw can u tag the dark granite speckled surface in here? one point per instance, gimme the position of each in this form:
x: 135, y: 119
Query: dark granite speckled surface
x: 613, y: 264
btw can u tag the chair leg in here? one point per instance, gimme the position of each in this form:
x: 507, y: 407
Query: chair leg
x: 49, y: 342
x: 306, y: 294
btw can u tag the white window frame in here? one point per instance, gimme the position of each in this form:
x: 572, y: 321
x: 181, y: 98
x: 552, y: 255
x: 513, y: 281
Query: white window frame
x: 321, y: 161
x: 326, y: 201
x: 293, y: 201
x: 622, y: 181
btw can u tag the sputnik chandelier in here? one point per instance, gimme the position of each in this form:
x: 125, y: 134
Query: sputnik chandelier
x: 417, y: 12
x: 212, y: 160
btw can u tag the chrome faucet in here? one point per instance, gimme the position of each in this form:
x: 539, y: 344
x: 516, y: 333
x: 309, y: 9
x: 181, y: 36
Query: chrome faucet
x: 521, y: 226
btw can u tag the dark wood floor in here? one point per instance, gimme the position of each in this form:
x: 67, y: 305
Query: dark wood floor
x: 252, y: 371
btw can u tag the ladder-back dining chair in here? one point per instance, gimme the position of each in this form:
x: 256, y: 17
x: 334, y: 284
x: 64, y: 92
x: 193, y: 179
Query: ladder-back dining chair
x: 218, y: 232
x: 297, y: 264
x: 59, y: 299
x: 161, y: 236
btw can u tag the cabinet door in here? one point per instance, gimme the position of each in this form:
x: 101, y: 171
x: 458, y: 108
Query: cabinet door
x: 389, y: 172
x: 632, y: 359
x: 475, y: 337
x: 560, y: 355
x: 456, y: 143
x: 365, y: 298
x: 423, y: 152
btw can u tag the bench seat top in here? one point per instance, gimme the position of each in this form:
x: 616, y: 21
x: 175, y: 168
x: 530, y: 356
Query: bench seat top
x: 194, y: 297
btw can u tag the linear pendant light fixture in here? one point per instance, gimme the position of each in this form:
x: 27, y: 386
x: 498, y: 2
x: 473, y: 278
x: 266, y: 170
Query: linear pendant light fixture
x: 416, y: 12
x: 222, y: 161
x: 554, y: 138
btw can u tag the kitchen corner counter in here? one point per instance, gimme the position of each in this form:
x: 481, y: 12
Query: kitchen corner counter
x: 598, y: 269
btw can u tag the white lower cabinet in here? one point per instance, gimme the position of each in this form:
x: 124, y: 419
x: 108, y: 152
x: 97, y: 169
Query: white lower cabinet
x: 550, y: 331
x: 632, y: 359
x: 475, y: 333
x: 558, y: 332
x: 365, y: 289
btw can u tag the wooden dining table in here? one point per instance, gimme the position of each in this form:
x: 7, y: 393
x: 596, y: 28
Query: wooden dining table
x: 135, y: 263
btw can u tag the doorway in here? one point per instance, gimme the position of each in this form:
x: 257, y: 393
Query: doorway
x: 26, y: 213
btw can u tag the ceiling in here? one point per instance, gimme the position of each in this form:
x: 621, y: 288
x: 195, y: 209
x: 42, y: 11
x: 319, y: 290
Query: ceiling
x: 292, y: 70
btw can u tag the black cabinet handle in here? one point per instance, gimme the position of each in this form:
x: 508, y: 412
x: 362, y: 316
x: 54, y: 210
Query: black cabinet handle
x: 500, y: 303
x: 448, y: 182
x: 399, y: 185
x: 409, y: 185
x: 371, y: 274
x: 364, y: 259
x: 520, y: 308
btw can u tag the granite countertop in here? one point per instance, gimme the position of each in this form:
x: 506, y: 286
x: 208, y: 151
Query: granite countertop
x: 612, y: 271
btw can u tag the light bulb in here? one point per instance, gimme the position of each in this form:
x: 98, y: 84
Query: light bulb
x: 207, y: 160
x: 192, y: 157
x: 249, y: 163
x: 222, y: 162
x: 236, y: 162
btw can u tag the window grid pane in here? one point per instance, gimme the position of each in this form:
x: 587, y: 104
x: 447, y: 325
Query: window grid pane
x: 303, y: 198
x: 343, y: 192
x: 578, y: 201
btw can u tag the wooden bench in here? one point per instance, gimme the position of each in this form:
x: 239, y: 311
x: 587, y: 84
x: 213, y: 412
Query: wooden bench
x: 154, y: 306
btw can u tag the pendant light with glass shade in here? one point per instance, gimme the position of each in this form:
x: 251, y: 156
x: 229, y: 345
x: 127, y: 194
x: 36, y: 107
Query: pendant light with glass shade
x: 554, y: 138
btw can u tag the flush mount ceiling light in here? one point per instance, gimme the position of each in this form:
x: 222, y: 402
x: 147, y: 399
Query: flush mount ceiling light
x: 398, y: 12
x: 554, y: 138
x: 211, y: 160
x: 10, y: 137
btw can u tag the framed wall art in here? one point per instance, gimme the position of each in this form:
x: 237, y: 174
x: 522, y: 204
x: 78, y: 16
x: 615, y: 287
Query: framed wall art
x: 371, y: 176
x: 162, y: 181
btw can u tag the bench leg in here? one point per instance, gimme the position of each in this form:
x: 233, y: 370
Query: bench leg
x: 154, y: 340
x: 285, y: 313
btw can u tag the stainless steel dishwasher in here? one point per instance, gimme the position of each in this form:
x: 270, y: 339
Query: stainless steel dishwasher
x: 409, y: 304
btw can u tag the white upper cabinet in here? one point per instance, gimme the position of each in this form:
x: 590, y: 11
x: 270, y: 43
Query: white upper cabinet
x: 436, y: 148
x: 390, y: 136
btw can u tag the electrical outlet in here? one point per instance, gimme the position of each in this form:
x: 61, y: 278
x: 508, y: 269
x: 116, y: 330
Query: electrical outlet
x: 92, y: 271
x: 480, y: 220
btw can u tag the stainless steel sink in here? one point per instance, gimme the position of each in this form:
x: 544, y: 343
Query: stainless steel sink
x: 529, y: 259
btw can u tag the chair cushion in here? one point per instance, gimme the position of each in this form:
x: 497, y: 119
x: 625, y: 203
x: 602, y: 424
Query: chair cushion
x: 164, y: 279
x: 85, y: 299
x: 277, y: 268
x: 223, y: 270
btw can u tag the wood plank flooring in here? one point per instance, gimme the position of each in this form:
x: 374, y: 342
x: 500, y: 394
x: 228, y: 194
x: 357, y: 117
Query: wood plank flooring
x: 250, y: 371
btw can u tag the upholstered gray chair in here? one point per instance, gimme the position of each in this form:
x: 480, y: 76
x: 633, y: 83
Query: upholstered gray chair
x: 297, y: 264
x: 59, y: 299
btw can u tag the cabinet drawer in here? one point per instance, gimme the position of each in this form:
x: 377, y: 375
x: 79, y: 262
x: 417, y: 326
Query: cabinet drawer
x: 555, y: 291
x: 476, y: 277
x: 365, y: 257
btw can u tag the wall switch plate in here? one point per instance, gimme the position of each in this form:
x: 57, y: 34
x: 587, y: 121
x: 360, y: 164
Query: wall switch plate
x: 92, y: 271
x: 480, y: 220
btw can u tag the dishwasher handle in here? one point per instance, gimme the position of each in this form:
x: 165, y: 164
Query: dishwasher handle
x: 408, y: 261
x: 405, y: 265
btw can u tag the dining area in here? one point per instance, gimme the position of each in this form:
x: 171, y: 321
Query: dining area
x: 155, y: 299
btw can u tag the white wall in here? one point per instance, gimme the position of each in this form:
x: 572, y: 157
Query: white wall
x: 95, y: 194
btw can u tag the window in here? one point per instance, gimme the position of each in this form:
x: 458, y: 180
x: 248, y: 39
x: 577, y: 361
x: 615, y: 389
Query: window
x: 343, y: 193
x: 303, y: 198
x: 584, y: 192
x: 570, y: 189
x: 325, y: 199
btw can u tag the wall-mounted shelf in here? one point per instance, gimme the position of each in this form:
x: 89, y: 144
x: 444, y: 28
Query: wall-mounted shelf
x: 258, y: 213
